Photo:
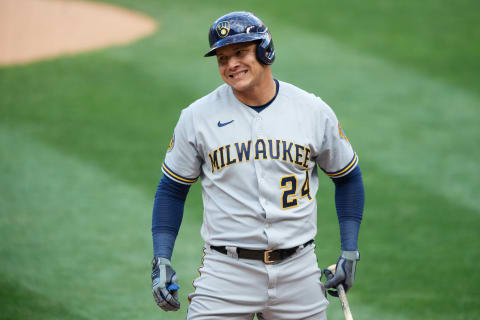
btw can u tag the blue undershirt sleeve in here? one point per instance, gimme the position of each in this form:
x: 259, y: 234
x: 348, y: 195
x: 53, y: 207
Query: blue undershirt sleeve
x: 167, y: 215
x: 349, y: 202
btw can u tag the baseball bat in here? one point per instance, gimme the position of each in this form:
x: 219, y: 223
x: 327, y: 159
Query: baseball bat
x: 342, y: 295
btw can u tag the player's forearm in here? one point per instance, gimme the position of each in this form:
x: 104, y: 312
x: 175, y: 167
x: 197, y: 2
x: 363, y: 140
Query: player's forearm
x: 163, y: 243
x: 349, y: 202
x: 167, y: 215
x: 349, y: 235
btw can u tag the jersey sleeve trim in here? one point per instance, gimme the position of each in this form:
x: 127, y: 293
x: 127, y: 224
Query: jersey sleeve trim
x: 176, y: 177
x: 349, y: 167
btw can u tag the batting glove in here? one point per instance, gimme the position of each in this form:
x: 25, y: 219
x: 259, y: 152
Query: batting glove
x: 344, y: 272
x: 164, y: 285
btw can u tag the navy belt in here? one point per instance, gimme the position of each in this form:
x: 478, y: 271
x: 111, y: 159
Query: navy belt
x: 267, y: 256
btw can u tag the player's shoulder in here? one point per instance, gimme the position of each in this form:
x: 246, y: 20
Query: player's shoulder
x: 209, y: 101
x: 303, y: 98
x: 287, y: 88
x: 204, y: 108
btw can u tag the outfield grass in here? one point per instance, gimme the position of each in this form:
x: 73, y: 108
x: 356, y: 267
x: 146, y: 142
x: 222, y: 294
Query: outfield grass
x: 83, y: 137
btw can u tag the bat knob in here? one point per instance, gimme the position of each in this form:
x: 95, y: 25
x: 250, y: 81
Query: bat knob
x: 332, y: 268
x: 328, y: 274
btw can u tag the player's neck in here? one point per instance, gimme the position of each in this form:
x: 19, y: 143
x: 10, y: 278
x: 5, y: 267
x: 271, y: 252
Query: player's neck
x: 258, y: 94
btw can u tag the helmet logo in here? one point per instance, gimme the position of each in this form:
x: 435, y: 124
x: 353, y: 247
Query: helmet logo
x: 223, y: 28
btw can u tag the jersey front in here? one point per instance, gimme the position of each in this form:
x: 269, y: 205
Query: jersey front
x: 258, y: 170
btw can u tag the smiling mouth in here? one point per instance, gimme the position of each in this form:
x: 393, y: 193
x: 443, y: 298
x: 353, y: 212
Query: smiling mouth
x: 237, y: 75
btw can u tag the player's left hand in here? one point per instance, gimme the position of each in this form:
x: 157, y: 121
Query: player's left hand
x: 165, y: 285
x: 344, y: 272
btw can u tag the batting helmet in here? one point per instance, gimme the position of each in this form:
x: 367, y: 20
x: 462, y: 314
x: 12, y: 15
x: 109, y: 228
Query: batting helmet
x: 241, y: 26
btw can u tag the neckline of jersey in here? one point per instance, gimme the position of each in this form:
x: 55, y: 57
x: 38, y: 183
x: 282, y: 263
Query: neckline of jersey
x: 263, y: 106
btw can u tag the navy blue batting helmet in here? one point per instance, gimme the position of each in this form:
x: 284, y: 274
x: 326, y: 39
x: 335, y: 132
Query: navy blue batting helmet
x: 241, y: 26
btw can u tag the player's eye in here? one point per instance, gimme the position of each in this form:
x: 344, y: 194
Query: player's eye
x: 240, y: 52
x: 222, y: 60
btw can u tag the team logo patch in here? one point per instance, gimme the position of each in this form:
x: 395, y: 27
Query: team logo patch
x: 342, y: 134
x: 223, y: 28
x: 172, y: 143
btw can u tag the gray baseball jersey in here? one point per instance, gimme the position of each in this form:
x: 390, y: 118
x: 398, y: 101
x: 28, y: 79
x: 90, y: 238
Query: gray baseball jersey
x: 258, y: 170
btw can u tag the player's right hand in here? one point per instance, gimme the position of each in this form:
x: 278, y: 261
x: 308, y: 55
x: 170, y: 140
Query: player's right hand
x: 165, y: 285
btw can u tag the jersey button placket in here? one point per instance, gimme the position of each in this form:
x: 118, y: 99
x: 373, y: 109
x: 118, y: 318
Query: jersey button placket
x: 257, y: 133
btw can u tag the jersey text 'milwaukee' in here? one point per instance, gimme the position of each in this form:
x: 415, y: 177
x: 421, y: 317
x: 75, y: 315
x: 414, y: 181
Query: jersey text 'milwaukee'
x: 263, y: 149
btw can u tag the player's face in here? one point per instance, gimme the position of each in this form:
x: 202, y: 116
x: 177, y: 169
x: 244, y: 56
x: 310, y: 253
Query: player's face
x: 239, y: 67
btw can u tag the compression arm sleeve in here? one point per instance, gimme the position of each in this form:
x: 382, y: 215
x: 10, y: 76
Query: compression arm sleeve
x: 349, y: 202
x: 167, y: 215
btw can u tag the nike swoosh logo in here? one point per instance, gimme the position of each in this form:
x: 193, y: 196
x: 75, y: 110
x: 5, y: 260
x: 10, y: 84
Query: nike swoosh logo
x: 220, y: 124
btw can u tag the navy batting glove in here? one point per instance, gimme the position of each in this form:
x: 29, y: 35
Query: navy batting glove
x: 165, y: 285
x: 344, y: 272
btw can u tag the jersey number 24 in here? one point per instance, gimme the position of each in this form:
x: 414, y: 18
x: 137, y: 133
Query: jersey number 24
x: 289, y: 195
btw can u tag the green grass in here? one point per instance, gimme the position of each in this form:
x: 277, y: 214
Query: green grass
x: 82, y: 139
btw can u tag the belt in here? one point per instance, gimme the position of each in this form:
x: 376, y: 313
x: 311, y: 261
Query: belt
x: 267, y: 256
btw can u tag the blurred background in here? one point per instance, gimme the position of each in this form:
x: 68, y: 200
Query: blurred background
x: 82, y: 139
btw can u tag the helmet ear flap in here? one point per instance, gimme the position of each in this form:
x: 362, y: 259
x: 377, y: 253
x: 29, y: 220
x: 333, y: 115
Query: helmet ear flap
x: 266, y: 51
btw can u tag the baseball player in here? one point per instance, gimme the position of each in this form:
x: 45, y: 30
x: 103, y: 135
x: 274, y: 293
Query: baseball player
x: 256, y: 144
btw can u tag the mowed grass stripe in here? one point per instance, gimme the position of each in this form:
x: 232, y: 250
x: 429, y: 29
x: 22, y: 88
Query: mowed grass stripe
x: 76, y: 242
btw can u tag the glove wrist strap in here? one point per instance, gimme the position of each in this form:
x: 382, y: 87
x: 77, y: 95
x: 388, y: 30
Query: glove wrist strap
x: 351, y: 255
x: 158, y: 261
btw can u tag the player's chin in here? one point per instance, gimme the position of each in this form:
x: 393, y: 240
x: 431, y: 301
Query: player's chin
x: 239, y: 85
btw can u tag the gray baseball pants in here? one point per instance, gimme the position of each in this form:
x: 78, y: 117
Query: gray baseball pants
x: 230, y: 288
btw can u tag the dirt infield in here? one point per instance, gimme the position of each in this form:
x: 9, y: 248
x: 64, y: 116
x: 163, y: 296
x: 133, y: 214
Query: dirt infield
x: 32, y: 30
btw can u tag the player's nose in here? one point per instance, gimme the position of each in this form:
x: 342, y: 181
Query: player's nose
x: 233, y: 63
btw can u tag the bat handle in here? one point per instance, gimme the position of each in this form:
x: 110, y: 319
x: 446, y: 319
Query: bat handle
x: 343, y: 299
x: 329, y: 273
